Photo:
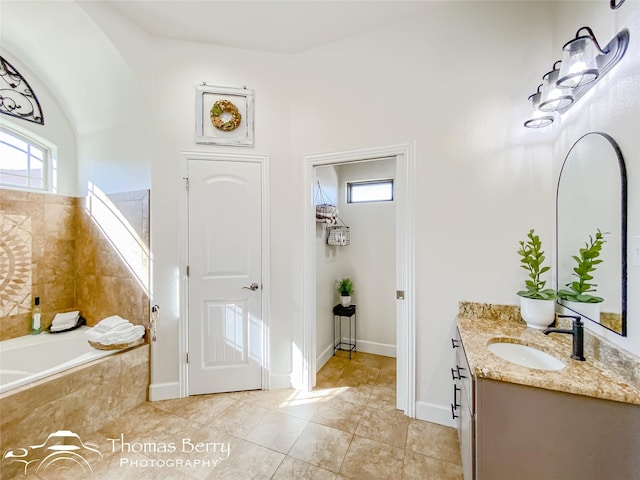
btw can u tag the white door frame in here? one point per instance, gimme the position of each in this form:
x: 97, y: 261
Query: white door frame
x: 263, y: 160
x: 405, y: 275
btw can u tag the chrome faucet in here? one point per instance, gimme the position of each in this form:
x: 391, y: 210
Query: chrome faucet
x: 577, y: 331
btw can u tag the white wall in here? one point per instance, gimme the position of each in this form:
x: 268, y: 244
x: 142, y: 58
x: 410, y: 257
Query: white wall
x: 330, y: 267
x: 612, y: 106
x: 456, y: 82
x: 371, y: 258
x: 174, y: 132
x: 92, y: 80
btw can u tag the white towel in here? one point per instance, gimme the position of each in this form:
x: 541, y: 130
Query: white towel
x: 66, y: 317
x: 124, y: 335
x: 110, y: 323
x: 64, y: 321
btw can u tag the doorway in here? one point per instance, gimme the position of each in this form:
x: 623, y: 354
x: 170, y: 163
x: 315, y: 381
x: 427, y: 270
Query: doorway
x: 225, y: 327
x: 404, y: 274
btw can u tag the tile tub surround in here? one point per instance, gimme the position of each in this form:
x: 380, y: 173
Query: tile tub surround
x: 602, y: 375
x: 82, y: 400
x: 52, y: 249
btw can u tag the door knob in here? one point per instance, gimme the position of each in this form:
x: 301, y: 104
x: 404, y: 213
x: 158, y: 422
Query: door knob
x: 253, y: 287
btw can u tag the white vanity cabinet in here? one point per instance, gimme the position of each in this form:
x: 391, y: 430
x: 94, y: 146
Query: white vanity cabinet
x: 463, y: 407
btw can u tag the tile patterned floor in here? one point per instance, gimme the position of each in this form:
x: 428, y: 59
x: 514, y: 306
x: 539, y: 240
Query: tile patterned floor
x: 346, y: 428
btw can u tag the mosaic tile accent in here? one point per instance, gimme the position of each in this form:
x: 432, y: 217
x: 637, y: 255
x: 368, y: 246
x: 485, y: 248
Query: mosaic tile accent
x: 15, y: 264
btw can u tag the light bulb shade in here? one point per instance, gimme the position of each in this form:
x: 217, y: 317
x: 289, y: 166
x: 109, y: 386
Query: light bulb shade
x: 538, y: 119
x: 554, y: 97
x: 579, y: 64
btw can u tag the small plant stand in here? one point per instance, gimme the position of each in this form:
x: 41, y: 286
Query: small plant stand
x: 339, y: 313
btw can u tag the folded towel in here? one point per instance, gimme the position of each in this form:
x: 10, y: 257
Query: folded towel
x: 66, y: 318
x: 93, y: 335
x: 110, y: 323
x: 64, y: 321
x: 126, y: 335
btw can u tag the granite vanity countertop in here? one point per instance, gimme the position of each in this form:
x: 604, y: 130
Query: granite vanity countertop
x: 590, y: 378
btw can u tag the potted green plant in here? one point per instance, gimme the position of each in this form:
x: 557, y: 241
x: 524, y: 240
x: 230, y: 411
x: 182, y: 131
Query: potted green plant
x: 579, y: 296
x: 344, y: 288
x: 537, y: 303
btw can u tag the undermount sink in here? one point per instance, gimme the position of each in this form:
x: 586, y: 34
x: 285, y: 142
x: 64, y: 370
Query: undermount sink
x: 525, y: 355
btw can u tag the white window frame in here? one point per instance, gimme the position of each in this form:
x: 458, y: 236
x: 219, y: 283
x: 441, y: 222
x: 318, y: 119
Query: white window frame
x: 351, y: 183
x: 48, y: 160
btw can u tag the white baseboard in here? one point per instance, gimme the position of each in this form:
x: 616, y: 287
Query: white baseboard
x: 324, y: 357
x: 376, y: 348
x: 361, y: 346
x: 277, y: 382
x: 430, y: 412
x: 164, y: 391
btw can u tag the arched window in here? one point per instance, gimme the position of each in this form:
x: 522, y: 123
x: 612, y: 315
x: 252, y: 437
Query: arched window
x: 25, y: 162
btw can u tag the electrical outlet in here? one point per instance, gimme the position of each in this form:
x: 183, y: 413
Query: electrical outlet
x: 635, y: 251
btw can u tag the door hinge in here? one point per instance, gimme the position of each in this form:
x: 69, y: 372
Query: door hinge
x: 186, y: 183
x: 187, y: 270
x: 400, y: 294
x: 187, y: 357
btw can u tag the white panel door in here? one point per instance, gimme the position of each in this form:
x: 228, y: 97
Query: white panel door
x: 225, y: 276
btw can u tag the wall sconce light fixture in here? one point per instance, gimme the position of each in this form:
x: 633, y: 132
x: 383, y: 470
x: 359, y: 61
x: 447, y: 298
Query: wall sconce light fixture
x: 538, y: 118
x: 554, y: 96
x: 583, y: 64
x: 615, y: 4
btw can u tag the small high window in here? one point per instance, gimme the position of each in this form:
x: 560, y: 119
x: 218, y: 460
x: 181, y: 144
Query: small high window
x: 370, y: 191
x: 24, y: 162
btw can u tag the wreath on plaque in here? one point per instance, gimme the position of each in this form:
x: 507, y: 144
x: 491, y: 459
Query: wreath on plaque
x: 225, y: 106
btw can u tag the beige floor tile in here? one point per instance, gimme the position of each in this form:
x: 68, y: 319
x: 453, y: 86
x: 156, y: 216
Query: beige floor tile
x: 315, y: 428
x: 293, y: 469
x: 385, y: 426
x: 322, y: 446
x: 382, y: 397
x: 270, y: 398
x: 337, y: 362
x: 277, y: 431
x: 140, y: 421
x: 240, y: 418
x: 420, y: 467
x: 358, y: 374
x: 357, y: 394
x: 388, y: 363
x: 210, y: 446
x: 201, y: 408
x: 433, y: 440
x: 368, y: 359
x: 386, y: 377
x: 339, y: 414
x: 248, y: 460
x: 304, y: 409
x: 367, y: 459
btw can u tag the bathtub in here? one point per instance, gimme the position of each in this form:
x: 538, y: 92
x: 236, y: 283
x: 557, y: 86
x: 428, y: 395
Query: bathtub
x: 84, y: 390
x: 33, y: 357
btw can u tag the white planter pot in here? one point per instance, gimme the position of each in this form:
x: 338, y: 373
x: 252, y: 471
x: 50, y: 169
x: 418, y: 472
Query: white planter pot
x: 537, y: 313
x: 586, y: 310
x: 345, y: 301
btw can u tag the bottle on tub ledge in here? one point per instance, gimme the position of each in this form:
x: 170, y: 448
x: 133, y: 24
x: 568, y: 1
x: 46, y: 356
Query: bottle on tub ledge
x: 36, y: 327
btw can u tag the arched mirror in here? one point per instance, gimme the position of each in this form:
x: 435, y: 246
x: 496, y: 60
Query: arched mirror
x: 592, y: 197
